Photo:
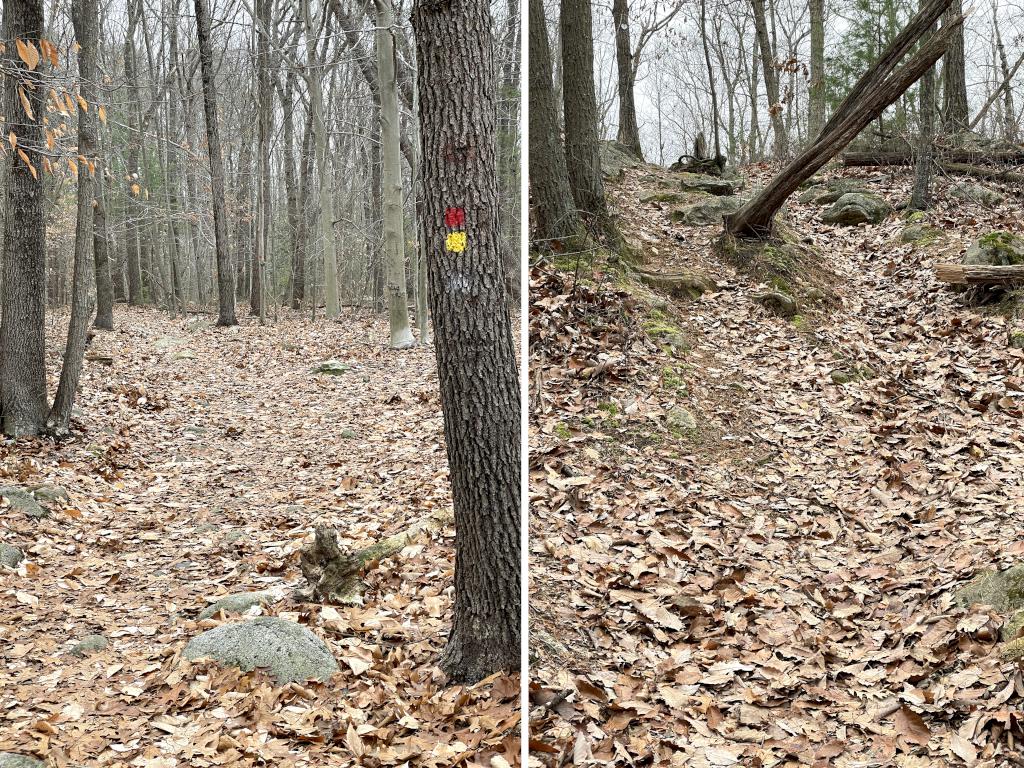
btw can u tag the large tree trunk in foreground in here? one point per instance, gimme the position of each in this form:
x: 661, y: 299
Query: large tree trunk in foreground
x: 582, y: 150
x: 225, y: 278
x: 876, y: 90
x: 394, y: 219
x: 556, y: 219
x: 85, y: 17
x: 476, y: 360
x: 629, y: 131
x: 23, y: 311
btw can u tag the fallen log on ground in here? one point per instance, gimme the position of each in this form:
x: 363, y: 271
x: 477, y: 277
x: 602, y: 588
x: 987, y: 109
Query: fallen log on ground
x: 981, y: 172
x: 969, y: 156
x: 979, y: 274
x: 335, y: 574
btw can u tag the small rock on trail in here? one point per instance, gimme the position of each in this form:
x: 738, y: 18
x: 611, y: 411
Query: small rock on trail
x: 10, y: 556
x: 21, y: 500
x: 239, y: 602
x: 11, y: 760
x: 89, y: 644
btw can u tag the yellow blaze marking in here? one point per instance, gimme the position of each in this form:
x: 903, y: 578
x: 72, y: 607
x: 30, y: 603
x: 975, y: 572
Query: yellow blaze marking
x: 455, y: 242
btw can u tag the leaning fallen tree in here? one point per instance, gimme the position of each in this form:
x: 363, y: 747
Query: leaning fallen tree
x: 979, y: 274
x: 877, y: 88
x: 969, y: 156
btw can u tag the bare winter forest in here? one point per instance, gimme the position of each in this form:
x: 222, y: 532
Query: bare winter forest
x: 776, y: 337
x: 259, y: 399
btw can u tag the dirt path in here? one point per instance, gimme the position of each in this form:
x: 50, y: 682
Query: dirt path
x: 200, y: 461
x: 775, y: 586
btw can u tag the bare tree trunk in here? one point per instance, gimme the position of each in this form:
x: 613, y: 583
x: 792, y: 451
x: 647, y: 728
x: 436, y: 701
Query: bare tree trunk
x: 85, y: 18
x: 816, y: 88
x: 398, y: 298
x: 716, y: 119
x: 101, y: 254
x: 225, y: 279
x: 771, y: 78
x: 1010, y: 117
x: 263, y: 211
x: 954, y: 78
x: 133, y: 211
x: 629, y: 131
x: 473, y: 339
x: 582, y: 151
x: 23, y: 310
x: 555, y: 217
x: 920, y: 197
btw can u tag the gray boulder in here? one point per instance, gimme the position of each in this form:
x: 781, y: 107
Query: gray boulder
x: 10, y: 556
x: 856, y: 208
x: 237, y: 603
x: 996, y: 249
x: 706, y: 212
x: 976, y: 193
x: 920, y: 234
x: 830, y: 191
x: 1003, y: 590
x: 22, y: 501
x: 331, y: 368
x: 289, y: 651
x: 778, y: 302
x: 89, y: 644
x: 680, y: 419
x: 696, y: 182
x: 11, y: 760
x: 615, y: 158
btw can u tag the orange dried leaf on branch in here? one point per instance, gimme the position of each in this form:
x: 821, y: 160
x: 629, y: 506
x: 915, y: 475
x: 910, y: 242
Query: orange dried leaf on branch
x: 27, y: 53
x: 25, y: 104
x: 26, y: 161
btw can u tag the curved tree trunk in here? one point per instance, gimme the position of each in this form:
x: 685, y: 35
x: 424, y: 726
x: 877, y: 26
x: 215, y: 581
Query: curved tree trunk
x: 555, y: 217
x: 23, y: 311
x: 473, y: 339
x: 225, y: 279
x: 629, y: 131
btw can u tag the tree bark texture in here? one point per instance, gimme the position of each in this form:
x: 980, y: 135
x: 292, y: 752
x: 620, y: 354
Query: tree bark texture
x: 23, y: 314
x: 473, y: 337
x: 555, y: 217
x: 629, y: 131
x: 955, y: 115
x: 771, y: 78
x: 816, y: 87
x: 225, y: 277
x: 920, y: 196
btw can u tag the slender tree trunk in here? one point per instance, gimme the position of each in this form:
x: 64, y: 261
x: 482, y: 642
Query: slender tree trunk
x: 321, y: 139
x: 263, y: 211
x: 771, y: 78
x: 955, y: 115
x: 101, y: 254
x: 816, y: 88
x: 582, y: 151
x: 23, y: 311
x: 754, y: 139
x: 293, y: 206
x: 629, y: 131
x: 394, y: 221
x: 556, y: 220
x: 716, y: 119
x: 1010, y: 126
x: 473, y: 337
x: 85, y: 18
x: 133, y: 211
x: 225, y: 279
x: 920, y: 198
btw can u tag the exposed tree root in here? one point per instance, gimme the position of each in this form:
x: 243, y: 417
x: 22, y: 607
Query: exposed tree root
x: 335, y: 574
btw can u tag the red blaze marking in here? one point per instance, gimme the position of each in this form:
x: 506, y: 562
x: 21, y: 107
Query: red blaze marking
x: 454, y: 217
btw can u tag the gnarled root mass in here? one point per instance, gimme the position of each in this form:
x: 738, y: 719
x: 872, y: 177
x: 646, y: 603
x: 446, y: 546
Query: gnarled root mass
x: 335, y: 574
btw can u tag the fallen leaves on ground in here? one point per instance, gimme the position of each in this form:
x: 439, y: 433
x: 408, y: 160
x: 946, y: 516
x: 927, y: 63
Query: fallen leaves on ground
x: 199, y: 461
x: 775, y: 586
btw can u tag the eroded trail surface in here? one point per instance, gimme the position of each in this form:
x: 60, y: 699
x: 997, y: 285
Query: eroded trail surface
x: 200, y: 460
x: 748, y: 530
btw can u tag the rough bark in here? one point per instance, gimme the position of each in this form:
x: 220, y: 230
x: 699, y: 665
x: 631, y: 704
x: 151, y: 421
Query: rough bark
x: 85, y: 18
x: 920, y: 196
x: 771, y: 78
x: 133, y: 211
x: 816, y: 87
x: 473, y: 336
x: 955, y: 115
x: 716, y: 119
x: 23, y: 311
x: 294, y: 206
x: 579, y: 100
x: 225, y: 278
x: 263, y: 210
x: 394, y: 264
x: 878, y: 90
x: 555, y: 218
x: 101, y: 255
x: 629, y: 131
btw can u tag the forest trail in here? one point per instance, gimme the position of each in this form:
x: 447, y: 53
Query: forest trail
x: 201, y: 459
x: 762, y: 521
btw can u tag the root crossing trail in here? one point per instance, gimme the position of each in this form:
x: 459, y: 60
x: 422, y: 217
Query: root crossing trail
x: 769, y: 579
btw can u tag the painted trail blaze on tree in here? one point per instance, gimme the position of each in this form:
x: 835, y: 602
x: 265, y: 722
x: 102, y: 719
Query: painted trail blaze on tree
x: 473, y: 336
x: 455, y: 222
